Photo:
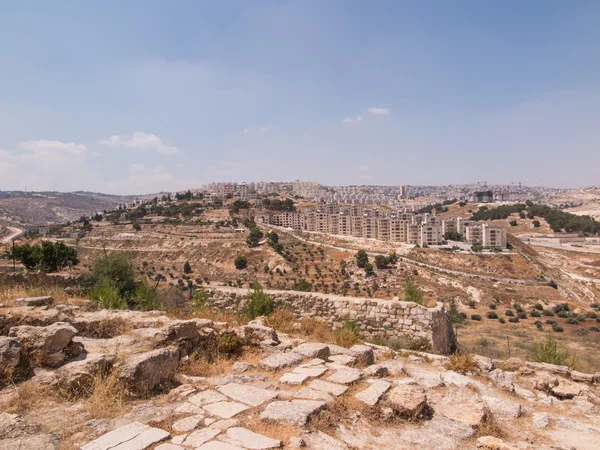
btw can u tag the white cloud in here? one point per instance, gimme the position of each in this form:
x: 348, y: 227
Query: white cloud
x: 260, y: 129
x: 379, y: 111
x: 51, y: 146
x: 353, y: 120
x: 140, y: 141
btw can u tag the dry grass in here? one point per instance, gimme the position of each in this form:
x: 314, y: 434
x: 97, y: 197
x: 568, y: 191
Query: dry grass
x: 30, y: 395
x: 108, y: 397
x: 106, y: 329
x: 280, y: 431
x: 8, y: 294
x: 282, y: 320
x: 489, y: 427
x: 462, y: 363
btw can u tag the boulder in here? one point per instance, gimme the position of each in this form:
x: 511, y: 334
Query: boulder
x: 14, y: 366
x: 78, y: 376
x: 502, y: 407
x: 34, y: 301
x: 363, y: 353
x: 407, y: 400
x: 345, y: 360
x: 566, y: 390
x: 257, y: 332
x: 182, y: 330
x: 376, y: 371
x: 541, y: 420
x: 46, y: 340
x: 145, y: 371
x: 511, y: 364
x: 582, y: 377
x: 373, y: 393
x: 346, y: 375
x: 553, y: 368
x: 464, y: 406
x: 312, y: 350
x: 503, y: 380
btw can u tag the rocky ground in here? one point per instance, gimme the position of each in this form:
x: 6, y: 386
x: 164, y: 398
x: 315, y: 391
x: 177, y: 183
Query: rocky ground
x: 98, y: 380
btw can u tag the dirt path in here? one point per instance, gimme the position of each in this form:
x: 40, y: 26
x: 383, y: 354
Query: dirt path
x: 15, y: 233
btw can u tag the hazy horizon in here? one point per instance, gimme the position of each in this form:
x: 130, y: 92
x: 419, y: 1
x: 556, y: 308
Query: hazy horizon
x: 150, y: 96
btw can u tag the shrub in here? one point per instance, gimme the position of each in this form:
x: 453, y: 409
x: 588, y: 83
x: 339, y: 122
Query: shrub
x: 580, y: 318
x: 361, y: 258
x: 462, y: 363
x: 347, y: 335
x: 493, y: 306
x: 201, y: 298
x: 501, y: 320
x: 591, y: 315
x: 596, y: 329
x: 538, y: 306
x: 557, y: 328
x: 560, y: 307
x: 547, y: 351
x: 229, y: 343
x: 522, y: 315
x: 260, y: 303
x: 535, y: 313
x: 454, y: 315
x: 472, y: 304
x: 492, y: 315
x: 107, y: 294
x: 476, y: 317
x: 572, y: 321
x: 412, y: 293
x: 509, y: 313
x: 550, y: 322
x: 144, y: 298
x: 547, y: 312
x: 187, y: 268
x: 514, y: 320
x: 240, y: 262
x: 117, y: 269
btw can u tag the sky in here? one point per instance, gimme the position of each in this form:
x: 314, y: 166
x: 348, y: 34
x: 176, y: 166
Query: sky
x: 142, y: 96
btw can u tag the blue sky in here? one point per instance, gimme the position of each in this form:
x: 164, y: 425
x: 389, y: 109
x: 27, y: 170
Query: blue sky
x: 143, y: 96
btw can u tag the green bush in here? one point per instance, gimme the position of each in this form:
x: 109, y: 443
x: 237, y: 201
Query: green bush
x: 522, y: 315
x: 472, y: 304
x: 538, y: 306
x: 229, y: 343
x: 514, y: 320
x: 492, y: 315
x: 240, y: 262
x: 548, y: 351
x: 145, y: 297
x: 591, y: 315
x: 535, y: 313
x: 412, y: 293
x: 557, y: 328
x: 116, y: 268
x: 547, y: 312
x: 572, y: 321
x: 550, y: 322
x: 493, y: 306
x: 302, y: 285
x: 201, y: 298
x: 107, y: 295
x: 476, y: 317
x: 260, y: 303
x: 501, y: 320
x: 509, y: 313
x: 560, y: 307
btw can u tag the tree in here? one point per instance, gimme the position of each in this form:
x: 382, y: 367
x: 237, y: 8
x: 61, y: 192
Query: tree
x: 369, y: 270
x: 452, y: 236
x: 273, y: 238
x: 136, y: 226
x: 187, y: 268
x: 47, y: 257
x: 537, y: 224
x: 412, y: 293
x: 254, y: 237
x: 513, y: 223
x: 240, y: 262
x: 361, y: 258
x: 115, y: 269
x: 381, y: 261
x: 259, y: 303
x: 302, y: 285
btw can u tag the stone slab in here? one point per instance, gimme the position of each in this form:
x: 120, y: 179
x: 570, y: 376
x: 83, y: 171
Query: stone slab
x: 248, y: 439
x: 295, y: 412
x: 199, y: 437
x: 206, y: 397
x: 312, y: 394
x: 374, y: 393
x: 293, y: 378
x: 312, y: 372
x: 280, y: 361
x: 248, y: 395
x: 225, y: 410
x: 134, y: 436
x: 326, y: 386
x: 346, y: 376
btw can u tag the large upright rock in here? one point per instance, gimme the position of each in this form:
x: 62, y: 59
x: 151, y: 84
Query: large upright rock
x: 145, y: 371
x: 14, y: 366
x: 47, y: 345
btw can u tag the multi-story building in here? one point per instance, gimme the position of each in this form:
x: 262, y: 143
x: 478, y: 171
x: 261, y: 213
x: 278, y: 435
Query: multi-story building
x: 430, y: 235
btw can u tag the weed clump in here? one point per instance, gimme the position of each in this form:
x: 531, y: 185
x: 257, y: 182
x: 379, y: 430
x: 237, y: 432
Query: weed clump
x: 547, y: 351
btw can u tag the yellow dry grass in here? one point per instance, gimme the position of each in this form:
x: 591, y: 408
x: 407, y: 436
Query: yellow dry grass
x: 8, y: 294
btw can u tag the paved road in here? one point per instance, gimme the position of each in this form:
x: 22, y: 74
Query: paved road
x: 15, y: 232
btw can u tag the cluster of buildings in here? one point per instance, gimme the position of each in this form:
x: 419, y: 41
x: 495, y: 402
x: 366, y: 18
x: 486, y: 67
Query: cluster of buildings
x: 397, y: 226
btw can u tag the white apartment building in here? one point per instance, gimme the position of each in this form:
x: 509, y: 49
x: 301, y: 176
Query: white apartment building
x: 486, y: 236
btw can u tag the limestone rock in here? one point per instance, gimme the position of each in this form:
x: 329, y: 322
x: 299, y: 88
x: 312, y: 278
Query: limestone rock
x: 248, y: 395
x: 145, y: 371
x: 46, y: 340
x: 326, y: 386
x: 311, y: 372
x: 206, y: 397
x: 295, y: 412
x: 182, y: 330
x: 312, y: 350
x: 512, y: 364
x: 504, y: 380
x: 346, y: 376
x: 280, y: 361
x: 34, y: 301
x: 225, y: 410
x: 376, y: 371
x: 502, y: 406
x: 407, y: 400
x: 218, y: 445
x: 373, y: 393
x: 14, y: 365
x: 343, y: 359
x: 293, y: 378
x: 553, y: 368
x: 199, y: 437
x: 78, y: 376
x: 35, y: 442
x: 255, y: 333
x: 582, y: 377
x: 188, y: 424
x: 363, y: 353
x: 566, y: 390
x: 541, y: 420
x: 493, y: 443
x: 135, y: 436
x: 307, y: 393
x: 463, y: 406
x: 243, y: 437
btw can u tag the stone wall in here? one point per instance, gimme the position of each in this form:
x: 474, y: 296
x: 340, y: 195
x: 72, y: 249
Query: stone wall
x: 395, y: 318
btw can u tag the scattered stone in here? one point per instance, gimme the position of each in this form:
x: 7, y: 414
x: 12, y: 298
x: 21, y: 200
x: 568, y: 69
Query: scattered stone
x: 135, y: 436
x: 395, y: 367
x: 582, y: 377
x: 346, y: 360
x: 255, y: 333
x: 218, y: 445
x: 503, y: 407
x: 373, y: 393
x: 248, y: 439
x: 145, y: 371
x: 241, y: 367
x: 182, y: 330
x: 312, y: 372
x: 14, y: 365
x: 225, y: 424
x: 35, y: 442
x: 188, y: 408
x: 566, y: 390
x: 312, y: 394
x: 493, y: 443
x: 249, y: 395
x: 188, y: 423
x: 206, y: 397
x: 46, y: 340
x: 553, y: 368
x: 78, y: 376
x: 485, y: 364
x: 312, y: 350
x: 225, y: 410
x: 376, y: 371
x: 34, y: 301
x: 280, y: 361
x: 363, y: 353
x: 407, y: 400
x: 293, y: 378
x: 504, y: 380
x: 541, y: 420
x: 416, y: 359
x: 295, y: 412
x: 295, y: 443
x: 169, y: 447
x: 512, y: 364
x: 346, y: 376
x: 315, y: 362
x: 326, y: 386
x: 463, y: 406
x: 199, y: 437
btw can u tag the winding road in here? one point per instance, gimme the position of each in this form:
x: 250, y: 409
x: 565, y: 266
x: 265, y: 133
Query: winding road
x: 15, y: 233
